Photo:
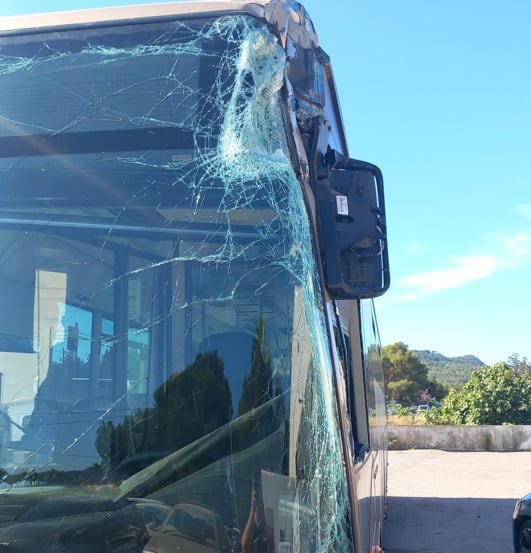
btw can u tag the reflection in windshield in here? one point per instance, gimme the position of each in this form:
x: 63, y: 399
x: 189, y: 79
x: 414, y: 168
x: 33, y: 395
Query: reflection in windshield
x: 160, y: 329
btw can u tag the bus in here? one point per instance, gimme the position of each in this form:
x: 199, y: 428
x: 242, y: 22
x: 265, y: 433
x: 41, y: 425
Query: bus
x: 189, y: 353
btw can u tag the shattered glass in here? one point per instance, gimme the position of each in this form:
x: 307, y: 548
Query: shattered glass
x: 166, y: 380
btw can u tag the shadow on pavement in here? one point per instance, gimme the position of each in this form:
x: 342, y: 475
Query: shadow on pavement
x: 442, y: 525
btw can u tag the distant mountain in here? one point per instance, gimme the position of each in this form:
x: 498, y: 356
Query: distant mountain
x: 449, y: 370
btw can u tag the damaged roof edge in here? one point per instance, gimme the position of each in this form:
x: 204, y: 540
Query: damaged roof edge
x: 290, y: 21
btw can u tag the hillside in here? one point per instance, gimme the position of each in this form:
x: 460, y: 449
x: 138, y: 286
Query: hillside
x: 449, y: 370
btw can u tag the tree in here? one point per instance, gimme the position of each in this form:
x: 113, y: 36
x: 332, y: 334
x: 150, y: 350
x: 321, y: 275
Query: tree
x: 406, y: 376
x: 519, y: 365
x: 493, y: 395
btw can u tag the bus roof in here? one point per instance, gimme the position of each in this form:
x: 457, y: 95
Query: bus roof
x: 125, y: 13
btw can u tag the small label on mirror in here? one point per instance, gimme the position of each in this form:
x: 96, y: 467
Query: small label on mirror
x: 342, y: 205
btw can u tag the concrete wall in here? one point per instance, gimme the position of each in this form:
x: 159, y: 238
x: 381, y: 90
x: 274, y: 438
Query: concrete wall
x: 460, y: 438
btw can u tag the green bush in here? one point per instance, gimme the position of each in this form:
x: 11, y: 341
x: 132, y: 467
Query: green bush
x: 493, y: 395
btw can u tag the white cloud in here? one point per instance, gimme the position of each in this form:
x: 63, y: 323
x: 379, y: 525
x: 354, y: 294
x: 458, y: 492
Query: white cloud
x: 505, y: 251
x: 464, y: 270
x: 525, y: 210
x: 518, y: 244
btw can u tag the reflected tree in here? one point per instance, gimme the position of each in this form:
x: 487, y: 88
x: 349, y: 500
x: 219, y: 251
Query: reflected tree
x: 259, y: 390
x: 188, y: 406
x: 257, y: 384
x: 193, y: 403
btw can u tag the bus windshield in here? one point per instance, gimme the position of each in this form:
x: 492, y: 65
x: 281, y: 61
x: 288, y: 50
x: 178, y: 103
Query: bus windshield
x: 162, y: 343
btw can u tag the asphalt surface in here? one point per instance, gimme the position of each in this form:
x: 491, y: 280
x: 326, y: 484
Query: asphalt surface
x: 453, y: 502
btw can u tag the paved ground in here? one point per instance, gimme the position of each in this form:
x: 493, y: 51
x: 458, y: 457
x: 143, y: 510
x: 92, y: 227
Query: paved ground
x: 446, y: 502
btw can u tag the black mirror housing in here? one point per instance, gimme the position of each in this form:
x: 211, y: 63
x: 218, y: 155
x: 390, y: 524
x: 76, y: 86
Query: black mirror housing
x: 353, y: 231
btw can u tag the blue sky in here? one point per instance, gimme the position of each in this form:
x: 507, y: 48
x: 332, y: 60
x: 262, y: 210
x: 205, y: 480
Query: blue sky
x: 438, y: 94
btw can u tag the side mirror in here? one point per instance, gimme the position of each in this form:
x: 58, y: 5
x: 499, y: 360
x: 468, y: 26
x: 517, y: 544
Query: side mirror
x: 353, y: 232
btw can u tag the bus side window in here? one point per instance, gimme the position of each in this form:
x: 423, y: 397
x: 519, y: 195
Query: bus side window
x: 343, y: 353
x: 351, y: 360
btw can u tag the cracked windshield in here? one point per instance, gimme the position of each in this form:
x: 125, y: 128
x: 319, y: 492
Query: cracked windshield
x: 162, y: 379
